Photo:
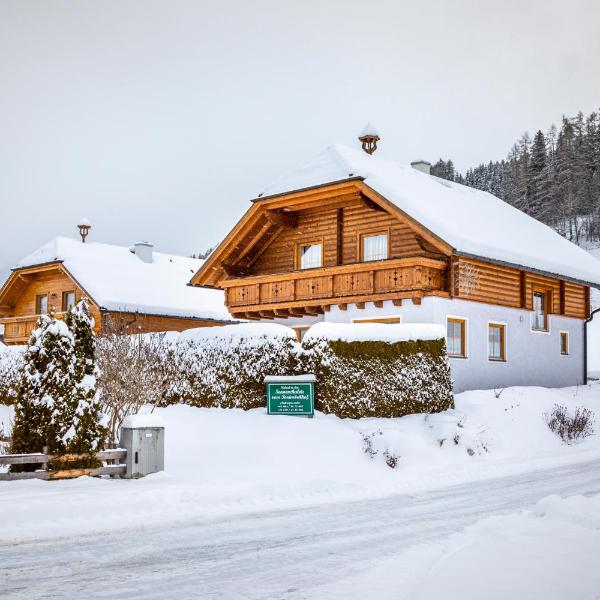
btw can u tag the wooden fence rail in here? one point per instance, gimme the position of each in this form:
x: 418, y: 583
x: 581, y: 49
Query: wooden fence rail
x: 39, y: 458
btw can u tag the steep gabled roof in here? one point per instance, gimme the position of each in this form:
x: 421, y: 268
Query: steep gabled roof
x: 117, y: 280
x: 473, y: 222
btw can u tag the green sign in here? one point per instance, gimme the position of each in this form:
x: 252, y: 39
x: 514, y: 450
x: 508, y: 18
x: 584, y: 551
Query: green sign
x: 291, y: 398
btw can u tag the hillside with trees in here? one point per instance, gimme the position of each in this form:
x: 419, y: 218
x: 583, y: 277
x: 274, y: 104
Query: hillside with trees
x: 554, y: 177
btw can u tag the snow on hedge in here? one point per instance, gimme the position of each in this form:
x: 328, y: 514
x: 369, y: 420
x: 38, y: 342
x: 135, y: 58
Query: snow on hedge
x: 363, y: 332
x: 229, y: 333
x: 394, y: 370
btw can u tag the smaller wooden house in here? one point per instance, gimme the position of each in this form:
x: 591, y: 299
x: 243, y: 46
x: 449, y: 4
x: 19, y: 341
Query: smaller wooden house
x: 129, y: 289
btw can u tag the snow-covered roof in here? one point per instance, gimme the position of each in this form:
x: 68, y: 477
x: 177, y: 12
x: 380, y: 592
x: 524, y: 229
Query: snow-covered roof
x: 116, y: 279
x: 382, y: 332
x: 473, y: 222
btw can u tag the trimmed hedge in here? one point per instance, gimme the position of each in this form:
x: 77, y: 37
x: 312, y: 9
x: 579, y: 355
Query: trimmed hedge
x: 354, y: 379
x: 229, y: 372
x: 379, y: 379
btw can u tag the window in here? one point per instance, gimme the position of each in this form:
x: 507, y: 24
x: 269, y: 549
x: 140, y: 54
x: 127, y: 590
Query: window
x: 373, y: 246
x: 310, y: 256
x: 41, y: 304
x: 300, y: 331
x: 496, y: 341
x: 388, y: 320
x: 455, y: 337
x: 68, y: 300
x: 564, y: 342
x: 539, y: 316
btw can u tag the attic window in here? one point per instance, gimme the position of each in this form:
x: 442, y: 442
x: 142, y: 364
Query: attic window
x: 68, y: 300
x: 373, y: 246
x: 310, y: 256
x: 539, y: 316
x: 41, y: 304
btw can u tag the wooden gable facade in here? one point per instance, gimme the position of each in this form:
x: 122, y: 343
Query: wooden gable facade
x: 258, y: 262
x: 19, y: 305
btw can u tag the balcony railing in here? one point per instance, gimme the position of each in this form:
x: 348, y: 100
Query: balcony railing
x: 18, y: 329
x: 362, y: 282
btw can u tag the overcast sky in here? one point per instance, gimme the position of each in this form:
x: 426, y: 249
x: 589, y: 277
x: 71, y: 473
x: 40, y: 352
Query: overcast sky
x: 160, y: 120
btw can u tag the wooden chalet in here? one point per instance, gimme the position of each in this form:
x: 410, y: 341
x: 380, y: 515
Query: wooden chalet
x: 352, y: 237
x: 130, y: 290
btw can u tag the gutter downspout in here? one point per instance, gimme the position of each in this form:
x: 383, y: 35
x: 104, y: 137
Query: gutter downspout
x: 585, y: 345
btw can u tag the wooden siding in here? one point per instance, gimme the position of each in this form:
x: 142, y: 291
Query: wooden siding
x: 53, y: 283
x: 492, y: 284
x: 137, y: 323
x: 359, y: 220
x: 575, y: 302
x: 496, y: 284
x: 546, y: 284
x: 324, y: 225
x: 314, y: 226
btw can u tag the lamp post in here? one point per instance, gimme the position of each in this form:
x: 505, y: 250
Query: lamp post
x: 84, y: 228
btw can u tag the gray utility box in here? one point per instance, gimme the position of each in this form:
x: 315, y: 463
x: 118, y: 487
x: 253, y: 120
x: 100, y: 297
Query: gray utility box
x: 145, y: 449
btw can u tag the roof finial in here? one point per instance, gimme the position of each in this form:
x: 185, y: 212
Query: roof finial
x: 84, y: 228
x: 369, y: 138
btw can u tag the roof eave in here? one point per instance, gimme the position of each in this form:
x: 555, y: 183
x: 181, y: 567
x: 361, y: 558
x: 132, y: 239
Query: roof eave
x: 505, y: 263
x: 307, y: 189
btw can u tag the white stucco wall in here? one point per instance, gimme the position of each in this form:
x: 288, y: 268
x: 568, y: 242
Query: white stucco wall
x: 532, y: 358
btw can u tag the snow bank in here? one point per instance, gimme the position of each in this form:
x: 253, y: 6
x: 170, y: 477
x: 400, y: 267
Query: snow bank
x: 363, y: 332
x: 229, y: 461
x: 548, y: 552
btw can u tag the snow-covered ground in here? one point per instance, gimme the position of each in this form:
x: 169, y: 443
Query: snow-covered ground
x: 258, y: 506
x: 226, y: 461
x: 398, y: 547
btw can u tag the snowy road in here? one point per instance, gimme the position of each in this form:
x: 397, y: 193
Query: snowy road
x: 278, y: 555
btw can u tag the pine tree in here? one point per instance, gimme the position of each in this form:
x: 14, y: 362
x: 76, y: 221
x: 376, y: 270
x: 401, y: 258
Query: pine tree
x: 44, y: 404
x: 538, y: 177
x: 88, y: 433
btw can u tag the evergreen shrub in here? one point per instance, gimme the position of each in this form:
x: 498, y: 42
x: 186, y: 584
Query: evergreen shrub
x: 228, y: 371
x: 379, y: 379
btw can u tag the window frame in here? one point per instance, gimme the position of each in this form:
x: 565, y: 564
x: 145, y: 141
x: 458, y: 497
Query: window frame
x: 503, y: 328
x: 391, y: 320
x: 37, y: 304
x: 301, y: 245
x: 464, y: 336
x: 564, y: 335
x: 547, y: 302
x: 372, y: 233
x: 63, y: 303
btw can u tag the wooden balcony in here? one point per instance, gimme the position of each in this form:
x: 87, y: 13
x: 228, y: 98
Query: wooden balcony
x: 18, y: 329
x: 314, y: 291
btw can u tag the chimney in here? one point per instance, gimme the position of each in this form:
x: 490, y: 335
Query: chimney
x: 143, y: 250
x: 421, y: 165
x: 369, y: 138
